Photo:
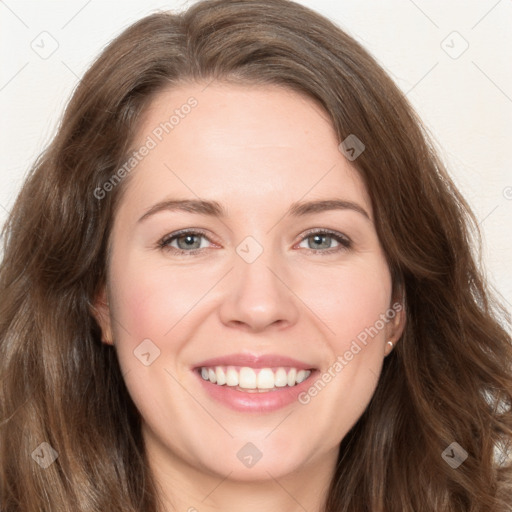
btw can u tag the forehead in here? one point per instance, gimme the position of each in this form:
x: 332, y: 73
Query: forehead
x: 240, y: 144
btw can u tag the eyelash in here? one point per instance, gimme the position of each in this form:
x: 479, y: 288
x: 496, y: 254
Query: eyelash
x: 344, y: 242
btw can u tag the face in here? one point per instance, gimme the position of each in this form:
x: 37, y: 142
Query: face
x: 244, y: 244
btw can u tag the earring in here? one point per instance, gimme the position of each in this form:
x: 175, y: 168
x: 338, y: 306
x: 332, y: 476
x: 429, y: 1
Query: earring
x: 390, y: 343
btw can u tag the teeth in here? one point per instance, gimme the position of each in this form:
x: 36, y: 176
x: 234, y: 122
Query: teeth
x: 231, y: 377
x: 265, y: 378
x: 280, y: 378
x: 247, y: 378
x: 221, y: 376
x: 301, y: 376
x: 257, y: 379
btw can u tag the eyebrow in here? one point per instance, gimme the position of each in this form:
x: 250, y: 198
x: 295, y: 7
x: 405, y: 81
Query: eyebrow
x: 215, y: 209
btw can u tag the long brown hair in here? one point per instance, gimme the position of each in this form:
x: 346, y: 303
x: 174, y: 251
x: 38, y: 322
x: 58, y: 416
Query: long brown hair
x: 448, y: 380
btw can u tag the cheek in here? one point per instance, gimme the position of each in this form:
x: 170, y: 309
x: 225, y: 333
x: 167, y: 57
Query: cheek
x: 150, y: 302
x: 152, y: 298
x: 351, y: 299
x: 350, y: 304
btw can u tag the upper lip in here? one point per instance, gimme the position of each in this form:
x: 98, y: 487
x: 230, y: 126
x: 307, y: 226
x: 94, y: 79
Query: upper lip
x: 255, y: 361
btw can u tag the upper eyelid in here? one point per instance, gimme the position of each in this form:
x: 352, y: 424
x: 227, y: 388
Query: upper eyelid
x: 324, y: 230
x: 176, y: 234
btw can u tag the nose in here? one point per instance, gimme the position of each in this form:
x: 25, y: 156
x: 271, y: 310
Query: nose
x: 259, y: 296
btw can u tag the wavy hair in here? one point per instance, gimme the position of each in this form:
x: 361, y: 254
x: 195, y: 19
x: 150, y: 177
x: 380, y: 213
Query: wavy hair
x: 448, y: 380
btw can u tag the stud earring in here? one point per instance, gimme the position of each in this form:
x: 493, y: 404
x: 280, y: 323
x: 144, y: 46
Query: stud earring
x: 390, y: 343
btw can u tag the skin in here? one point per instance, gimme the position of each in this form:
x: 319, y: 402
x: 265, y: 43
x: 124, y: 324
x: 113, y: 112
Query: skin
x: 255, y: 150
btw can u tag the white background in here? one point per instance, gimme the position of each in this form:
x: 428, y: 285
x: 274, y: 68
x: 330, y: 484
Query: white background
x: 466, y: 102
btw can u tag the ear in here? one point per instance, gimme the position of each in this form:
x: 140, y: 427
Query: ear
x: 100, y: 309
x: 397, y: 319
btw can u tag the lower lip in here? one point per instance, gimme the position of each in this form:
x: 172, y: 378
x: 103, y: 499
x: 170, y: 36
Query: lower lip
x: 267, y: 401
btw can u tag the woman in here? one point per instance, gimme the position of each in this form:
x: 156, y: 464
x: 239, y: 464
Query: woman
x: 241, y: 278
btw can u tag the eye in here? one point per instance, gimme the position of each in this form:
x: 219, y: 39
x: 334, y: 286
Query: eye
x: 320, y: 241
x: 184, y: 242
x: 190, y: 242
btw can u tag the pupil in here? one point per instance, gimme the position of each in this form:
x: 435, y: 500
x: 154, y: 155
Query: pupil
x: 318, y: 240
x: 188, y: 240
